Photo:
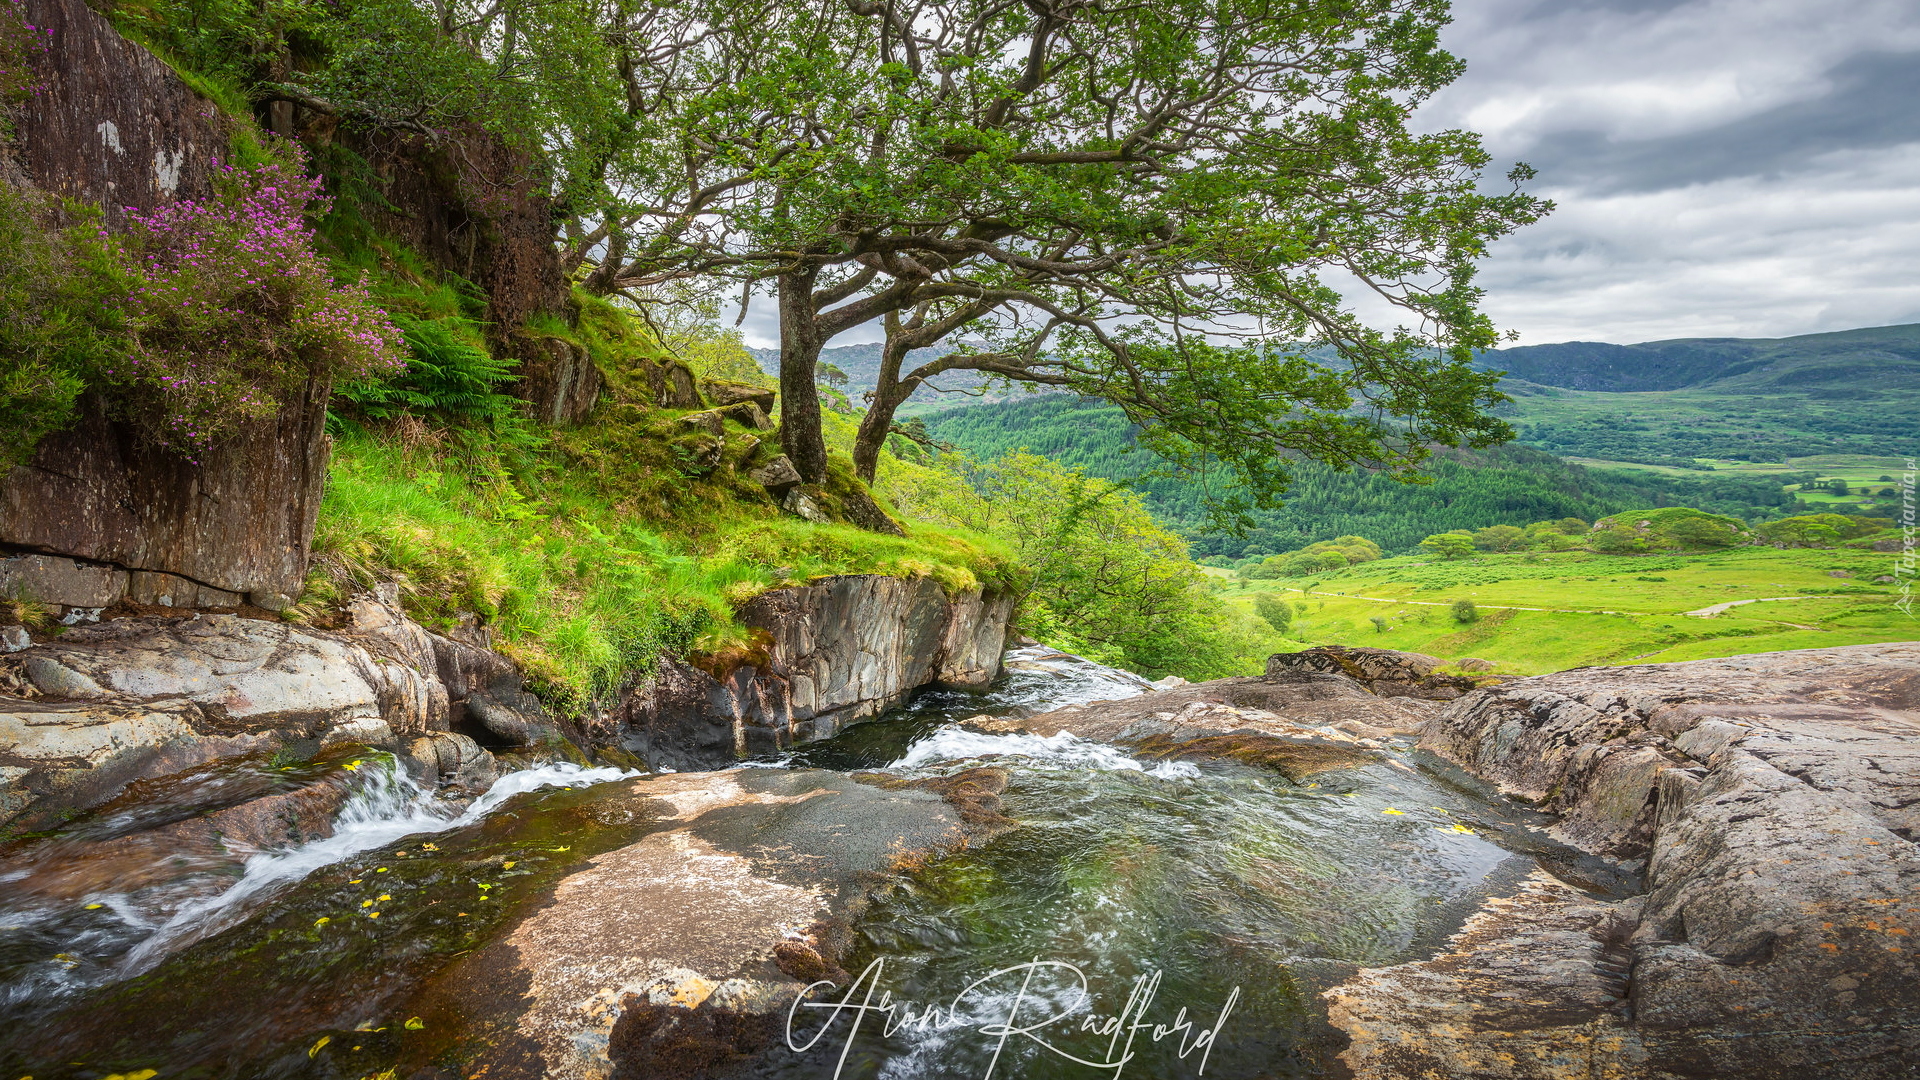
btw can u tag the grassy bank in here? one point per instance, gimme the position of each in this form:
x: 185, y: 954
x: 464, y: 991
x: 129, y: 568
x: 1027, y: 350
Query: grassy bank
x: 1600, y: 609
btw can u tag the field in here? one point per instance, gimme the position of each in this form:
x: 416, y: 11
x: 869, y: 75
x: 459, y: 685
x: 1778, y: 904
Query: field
x: 1541, y: 612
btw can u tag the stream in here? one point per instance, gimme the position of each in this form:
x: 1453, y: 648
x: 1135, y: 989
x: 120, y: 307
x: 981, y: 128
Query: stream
x: 1184, y: 915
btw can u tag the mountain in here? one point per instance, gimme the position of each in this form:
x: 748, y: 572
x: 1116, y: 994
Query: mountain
x: 1511, y: 485
x: 1879, y: 356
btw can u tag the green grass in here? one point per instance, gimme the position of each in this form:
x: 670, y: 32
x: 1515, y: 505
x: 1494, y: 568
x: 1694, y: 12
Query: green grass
x: 588, y: 564
x: 1647, y: 624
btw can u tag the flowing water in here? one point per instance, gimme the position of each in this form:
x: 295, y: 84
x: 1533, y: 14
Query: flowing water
x: 1161, y: 917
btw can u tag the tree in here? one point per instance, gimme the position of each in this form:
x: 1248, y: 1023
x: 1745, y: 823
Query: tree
x: 1465, y: 611
x: 1379, y: 623
x: 1454, y: 545
x: 1276, y: 611
x: 1135, y: 202
x: 1500, y: 538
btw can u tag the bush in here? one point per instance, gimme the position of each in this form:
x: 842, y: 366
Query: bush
x: 1464, y: 611
x: 233, y: 310
x: 57, y: 316
x: 1500, y: 538
x: 451, y: 374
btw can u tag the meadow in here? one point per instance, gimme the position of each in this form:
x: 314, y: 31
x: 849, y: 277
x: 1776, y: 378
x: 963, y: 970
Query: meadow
x: 1547, y: 611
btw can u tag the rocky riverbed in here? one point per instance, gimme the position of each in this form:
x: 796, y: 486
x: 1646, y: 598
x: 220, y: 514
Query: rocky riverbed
x: 1352, y: 864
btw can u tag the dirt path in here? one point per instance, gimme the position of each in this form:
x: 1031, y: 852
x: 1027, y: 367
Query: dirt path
x: 1704, y: 613
x: 1710, y: 612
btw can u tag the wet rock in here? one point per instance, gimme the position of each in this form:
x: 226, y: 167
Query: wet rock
x: 453, y: 761
x: 679, y: 954
x: 1774, y: 800
x: 832, y: 653
x: 975, y: 793
x: 1534, y: 987
x: 14, y: 639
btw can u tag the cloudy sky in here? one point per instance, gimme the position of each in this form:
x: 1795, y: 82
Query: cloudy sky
x: 1722, y: 167
x: 1744, y: 168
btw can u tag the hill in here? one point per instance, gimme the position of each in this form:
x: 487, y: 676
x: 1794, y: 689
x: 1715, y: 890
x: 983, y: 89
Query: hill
x: 1731, y: 399
x: 1507, y: 485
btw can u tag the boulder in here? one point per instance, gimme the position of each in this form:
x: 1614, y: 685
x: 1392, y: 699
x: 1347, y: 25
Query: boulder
x: 723, y: 393
x: 672, y: 385
x: 557, y: 379
x: 799, y: 505
x: 450, y: 760
x: 777, y: 475
x: 1773, y: 804
x: 1383, y: 671
x: 748, y: 415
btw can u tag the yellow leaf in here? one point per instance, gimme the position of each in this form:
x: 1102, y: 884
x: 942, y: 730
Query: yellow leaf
x: 322, y: 921
x: 508, y: 865
x: 379, y: 869
x: 356, y: 881
x: 95, y: 907
x: 366, y: 903
x: 1457, y: 827
x: 373, y: 914
x: 460, y: 915
x: 324, y: 1040
x: 1391, y: 810
x: 415, y: 1024
x: 384, y: 896
x: 351, y: 766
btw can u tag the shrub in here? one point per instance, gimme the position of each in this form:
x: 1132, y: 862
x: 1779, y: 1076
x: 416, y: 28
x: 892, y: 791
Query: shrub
x: 58, y: 318
x: 233, y: 310
x: 1500, y: 538
x: 1464, y: 611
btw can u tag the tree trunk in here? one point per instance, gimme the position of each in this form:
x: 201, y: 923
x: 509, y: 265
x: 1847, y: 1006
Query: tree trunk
x: 800, y: 343
x: 888, y: 395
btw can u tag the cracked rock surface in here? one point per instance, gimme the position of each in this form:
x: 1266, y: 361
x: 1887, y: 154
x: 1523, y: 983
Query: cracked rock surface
x: 1771, y: 799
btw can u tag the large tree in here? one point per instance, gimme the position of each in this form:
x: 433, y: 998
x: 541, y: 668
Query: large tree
x: 1157, y: 189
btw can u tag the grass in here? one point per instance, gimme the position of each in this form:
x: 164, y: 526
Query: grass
x: 1610, y: 609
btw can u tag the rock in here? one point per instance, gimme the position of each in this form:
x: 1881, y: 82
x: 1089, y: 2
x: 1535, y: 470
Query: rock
x: 797, y: 504
x: 105, y: 705
x: 1885, y: 579
x: 557, y: 379
x: 748, y: 415
x: 1839, y: 573
x: 682, y: 951
x: 172, y: 590
x: 54, y: 580
x: 699, y: 454
x: 709, y: 422
x: 1473, y: 663
x: 271, y: 601
x: 672, y: 385
x: 1382, y: 671
x: 861, y: 509
x: 1171, y: 682
x: 1534, y: 986
x: 14, y: 639
x: 776, y: 475
x: 1774, y: 801
x: 451, y: 760
x: 827, y: 655
x: 723, y: 393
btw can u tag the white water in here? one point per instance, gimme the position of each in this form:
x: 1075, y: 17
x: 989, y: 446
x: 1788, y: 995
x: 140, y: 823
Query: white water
x: 389, y: 805
x: 1064, y: 750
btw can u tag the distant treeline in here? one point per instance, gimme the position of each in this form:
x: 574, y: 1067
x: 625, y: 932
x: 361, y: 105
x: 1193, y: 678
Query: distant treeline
x: 1507, y: 485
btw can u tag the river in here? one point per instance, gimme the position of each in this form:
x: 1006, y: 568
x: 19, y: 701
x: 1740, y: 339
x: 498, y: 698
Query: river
x: 1176, y: 915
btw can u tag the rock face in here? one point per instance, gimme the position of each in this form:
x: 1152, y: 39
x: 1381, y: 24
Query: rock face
x: 114, y: 126
x: 832, y: 653
x: 679, y: 954
x: 1772, y: 800
x: 558, y: 380
x: 105, y: 705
